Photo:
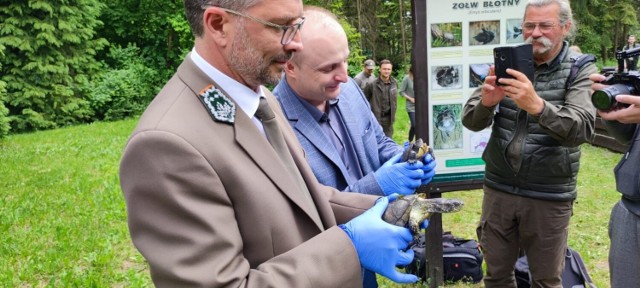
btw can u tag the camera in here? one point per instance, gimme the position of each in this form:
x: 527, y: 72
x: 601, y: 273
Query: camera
x: 620, y: 83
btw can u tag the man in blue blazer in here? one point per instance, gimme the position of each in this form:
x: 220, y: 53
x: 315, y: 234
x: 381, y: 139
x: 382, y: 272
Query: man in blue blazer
x: 344, y: 144
x: 330, y: 115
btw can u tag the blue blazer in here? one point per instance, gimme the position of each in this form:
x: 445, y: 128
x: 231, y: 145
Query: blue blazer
x: 372, y: 147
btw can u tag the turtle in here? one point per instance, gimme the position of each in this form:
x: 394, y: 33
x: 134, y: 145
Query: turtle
x: 415, y: 150
x: 411, y: 210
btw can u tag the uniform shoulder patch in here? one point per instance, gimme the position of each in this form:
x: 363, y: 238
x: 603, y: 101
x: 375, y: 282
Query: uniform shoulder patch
x: 219, y: 105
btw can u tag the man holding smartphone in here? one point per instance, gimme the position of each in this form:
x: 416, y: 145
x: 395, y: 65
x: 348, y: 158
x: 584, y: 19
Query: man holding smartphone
x: 532, y: 157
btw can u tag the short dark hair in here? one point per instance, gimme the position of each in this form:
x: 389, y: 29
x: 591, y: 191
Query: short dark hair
x: 193, y: 10
x: 385, y: 61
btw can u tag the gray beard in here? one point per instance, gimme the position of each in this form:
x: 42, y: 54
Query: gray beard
x: 248, y: 62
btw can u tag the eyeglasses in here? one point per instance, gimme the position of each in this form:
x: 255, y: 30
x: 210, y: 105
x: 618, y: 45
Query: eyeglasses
x: 288, y: 31
x: 543, y: 26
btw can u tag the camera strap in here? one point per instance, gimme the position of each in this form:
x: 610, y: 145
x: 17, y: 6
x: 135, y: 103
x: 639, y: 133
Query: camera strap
x: 578, y: 62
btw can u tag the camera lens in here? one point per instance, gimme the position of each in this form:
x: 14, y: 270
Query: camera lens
x: 605, y: 99
x: 602, y: 100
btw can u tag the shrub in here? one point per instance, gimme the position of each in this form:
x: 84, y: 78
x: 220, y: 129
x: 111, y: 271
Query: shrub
x: 125, y: 89
x: 49, y: 50
x: 4, y: 112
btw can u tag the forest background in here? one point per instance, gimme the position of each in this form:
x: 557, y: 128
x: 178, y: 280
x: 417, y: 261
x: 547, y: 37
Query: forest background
x: 79, y: 61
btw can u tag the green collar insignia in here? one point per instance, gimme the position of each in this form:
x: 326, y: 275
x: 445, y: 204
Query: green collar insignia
x: 220, y: 107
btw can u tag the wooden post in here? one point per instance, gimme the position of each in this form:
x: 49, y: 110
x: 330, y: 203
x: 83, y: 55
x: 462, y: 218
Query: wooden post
x: 433, y: 235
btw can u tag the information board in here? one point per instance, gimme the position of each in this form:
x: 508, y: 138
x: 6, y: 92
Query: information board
x: 460, y: 41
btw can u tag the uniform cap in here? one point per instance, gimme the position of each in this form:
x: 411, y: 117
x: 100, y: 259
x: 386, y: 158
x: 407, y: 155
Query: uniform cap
x: 369, y: 64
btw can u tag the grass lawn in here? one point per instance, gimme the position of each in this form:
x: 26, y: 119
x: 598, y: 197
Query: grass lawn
x: 63, y: 218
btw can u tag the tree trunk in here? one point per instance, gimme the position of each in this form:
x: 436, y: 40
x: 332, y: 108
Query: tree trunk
x: 404, y: 37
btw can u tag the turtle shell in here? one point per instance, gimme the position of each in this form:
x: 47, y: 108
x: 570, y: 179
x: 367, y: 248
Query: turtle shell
x: 398, y: 211
x: 415, y: 150
x: 411, y: 210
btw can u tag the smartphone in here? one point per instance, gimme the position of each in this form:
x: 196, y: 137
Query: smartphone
x: 518, y: 58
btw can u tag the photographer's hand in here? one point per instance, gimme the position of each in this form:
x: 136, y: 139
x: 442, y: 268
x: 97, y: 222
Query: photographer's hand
x: 621, y: 114
x: 521, y: 91
x: 596, y: 79
x: 492, y: 94
x: 625, y: 115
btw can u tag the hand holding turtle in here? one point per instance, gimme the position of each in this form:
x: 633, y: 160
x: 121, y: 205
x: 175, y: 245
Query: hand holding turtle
x: 380, y: 245
x: 419, y: 151
x: 413, y: 211
x: 402, y: 177
x: 429, y: 168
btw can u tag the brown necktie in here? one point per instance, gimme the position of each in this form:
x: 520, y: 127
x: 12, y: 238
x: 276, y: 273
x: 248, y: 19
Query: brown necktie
x: 268, y: 119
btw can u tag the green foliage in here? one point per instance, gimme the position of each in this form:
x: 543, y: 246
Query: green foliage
x: 124, y: 90
x: 356, y: 58
x: 158, y: 27
x: 4, y: 112
x: 603, y: 25
x: 389, y: 32
x: 49, y: 57
x: 50, y: 52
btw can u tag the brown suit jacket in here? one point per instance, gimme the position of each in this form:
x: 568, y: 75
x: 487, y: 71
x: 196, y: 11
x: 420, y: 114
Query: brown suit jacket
x: 209, y: 204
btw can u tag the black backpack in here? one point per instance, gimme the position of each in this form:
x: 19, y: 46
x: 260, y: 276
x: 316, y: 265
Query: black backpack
x: 462, y: 259
x: 574, y: 275
x: 577, y: 64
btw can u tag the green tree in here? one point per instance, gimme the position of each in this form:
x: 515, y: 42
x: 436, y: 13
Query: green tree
x: 356, y: 57
x: 4, y: 120
x: 50, y: 49
x: 125, y: 88
x: 158, y: 27
x: 391, y: 24
x: 384, y: 27
x: 604, y: 24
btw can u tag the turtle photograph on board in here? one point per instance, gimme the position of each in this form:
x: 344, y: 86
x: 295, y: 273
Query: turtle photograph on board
x: 514, y: 31
x: 446, y: 77
x: 446, y: 35
x: 447, y: 126
x: 484, y: 32
x: 477, y: 73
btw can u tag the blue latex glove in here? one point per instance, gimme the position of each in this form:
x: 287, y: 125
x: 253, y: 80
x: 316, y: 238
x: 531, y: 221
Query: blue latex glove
x: 429, y: 168
x: 379, y: 244
x: 424, y: 224
x: 402, y: 178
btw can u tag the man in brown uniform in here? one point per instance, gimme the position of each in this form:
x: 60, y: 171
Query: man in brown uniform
x: 381, y: 95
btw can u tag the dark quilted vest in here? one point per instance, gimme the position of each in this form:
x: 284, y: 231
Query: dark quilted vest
x: 548, y: 170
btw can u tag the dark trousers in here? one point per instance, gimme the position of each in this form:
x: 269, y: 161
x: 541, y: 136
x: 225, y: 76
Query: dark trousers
x: 412, y: 130
x: 538, y: 227
x: 624, y: 253
x: 387, y: 125
x: 369, y: 279
x: 632, y: 64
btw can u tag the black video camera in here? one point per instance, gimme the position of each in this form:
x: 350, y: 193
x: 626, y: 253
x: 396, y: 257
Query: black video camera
x: 626, y: 83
